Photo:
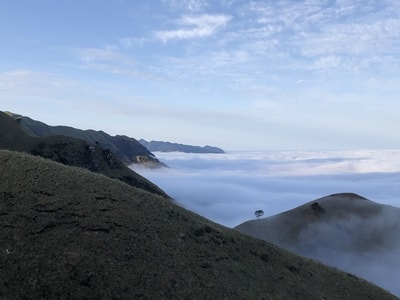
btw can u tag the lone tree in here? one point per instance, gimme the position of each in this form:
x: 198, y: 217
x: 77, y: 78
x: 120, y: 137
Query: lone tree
x: 259, y: 213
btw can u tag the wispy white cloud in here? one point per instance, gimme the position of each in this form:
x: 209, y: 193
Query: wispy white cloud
x: 380, y: 37
x: 312, y: 30
x: 270, y: 37
x: 105, y: 54
x: 284, y: 37
x: 190, y: 5
x: 107, y: 59
x: 128, y: 42
x: 111, y: 59
x: 48, y: 95
x: 327, y: 62
x: 194, y: 27
x: 27, y: 84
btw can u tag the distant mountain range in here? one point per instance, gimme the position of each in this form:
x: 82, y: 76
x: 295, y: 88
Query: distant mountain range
x: 127, y: 149
x: 344, y: 230
x: 160, y: 146
x: 67, y: 233
x: 68, y: 150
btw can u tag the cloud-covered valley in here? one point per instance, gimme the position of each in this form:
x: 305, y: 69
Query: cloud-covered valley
x: 228, y: 188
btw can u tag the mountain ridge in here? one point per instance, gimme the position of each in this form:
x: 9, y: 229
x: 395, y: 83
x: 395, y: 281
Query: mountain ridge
x: 160, y: 146
x: 127, y: 149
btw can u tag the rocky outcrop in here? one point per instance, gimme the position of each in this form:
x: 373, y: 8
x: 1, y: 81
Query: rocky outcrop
x: 147, y: 162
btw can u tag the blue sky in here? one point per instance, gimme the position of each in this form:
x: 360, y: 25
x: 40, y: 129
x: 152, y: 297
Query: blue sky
x: 236, y: 74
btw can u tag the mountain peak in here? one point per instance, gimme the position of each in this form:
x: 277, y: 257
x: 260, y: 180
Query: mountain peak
x: 347, y: 195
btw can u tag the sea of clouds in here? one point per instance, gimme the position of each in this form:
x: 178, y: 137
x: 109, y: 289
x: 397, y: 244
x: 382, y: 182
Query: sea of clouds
x: 228, y: 188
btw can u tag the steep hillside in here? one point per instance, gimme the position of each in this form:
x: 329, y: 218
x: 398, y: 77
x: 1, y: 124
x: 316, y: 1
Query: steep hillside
x: 343, y: 230
x: 70, y: 151
x: 67, y: 233
x: 126, y: 149
x: 171, y: 147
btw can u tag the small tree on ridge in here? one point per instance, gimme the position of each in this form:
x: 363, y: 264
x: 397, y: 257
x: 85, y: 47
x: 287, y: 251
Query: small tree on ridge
x: 259, y: 213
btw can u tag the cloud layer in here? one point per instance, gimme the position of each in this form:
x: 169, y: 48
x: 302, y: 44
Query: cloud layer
x: 228, y: 188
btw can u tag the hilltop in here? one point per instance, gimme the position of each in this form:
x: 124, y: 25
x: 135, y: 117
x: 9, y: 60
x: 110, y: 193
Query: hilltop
x: 68, y: 233
x: 343, y: 230
x: 70, y: 151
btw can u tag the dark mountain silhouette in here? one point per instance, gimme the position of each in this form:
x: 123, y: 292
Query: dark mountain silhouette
x: 67, y: 233
x: 342, y: 230
x: 127, y: 149
x: 155, y: 146
x: 70, y: 151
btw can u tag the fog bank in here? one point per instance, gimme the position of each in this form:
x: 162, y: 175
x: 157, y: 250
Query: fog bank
x: 228, y: 188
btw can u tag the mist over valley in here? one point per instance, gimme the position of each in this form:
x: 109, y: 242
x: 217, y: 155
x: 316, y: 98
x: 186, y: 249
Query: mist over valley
x: 360, y: 239
x: 228, y: 188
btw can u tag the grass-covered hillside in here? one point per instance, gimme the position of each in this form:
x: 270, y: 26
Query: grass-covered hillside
x: 70, y: 151
x: 343, y: 230
x: 67, y: 233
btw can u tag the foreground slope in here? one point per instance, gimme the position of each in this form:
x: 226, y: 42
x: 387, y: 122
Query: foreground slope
x: 343, y: 230
x: 70, y: 151
x: 67, y: 233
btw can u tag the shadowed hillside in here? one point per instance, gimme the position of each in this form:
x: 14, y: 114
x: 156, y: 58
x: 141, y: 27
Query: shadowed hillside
x: 67, y: 233
x: 343, y: 230
x: 126, y: 149
x: 70, y: 151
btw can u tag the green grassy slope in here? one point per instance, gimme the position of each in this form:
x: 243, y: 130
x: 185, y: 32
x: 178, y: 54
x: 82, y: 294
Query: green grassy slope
x: 70, y: 151
x: 67, y: 233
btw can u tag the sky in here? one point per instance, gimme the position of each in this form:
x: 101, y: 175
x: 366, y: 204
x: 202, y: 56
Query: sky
x: 241, y: 75
x: 229, y: 188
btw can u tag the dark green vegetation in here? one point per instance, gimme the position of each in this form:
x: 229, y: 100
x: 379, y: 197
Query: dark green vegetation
x: 171, y: 147
x: 69, y: 151
x: 126, y: 149
x: 67, y: 233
